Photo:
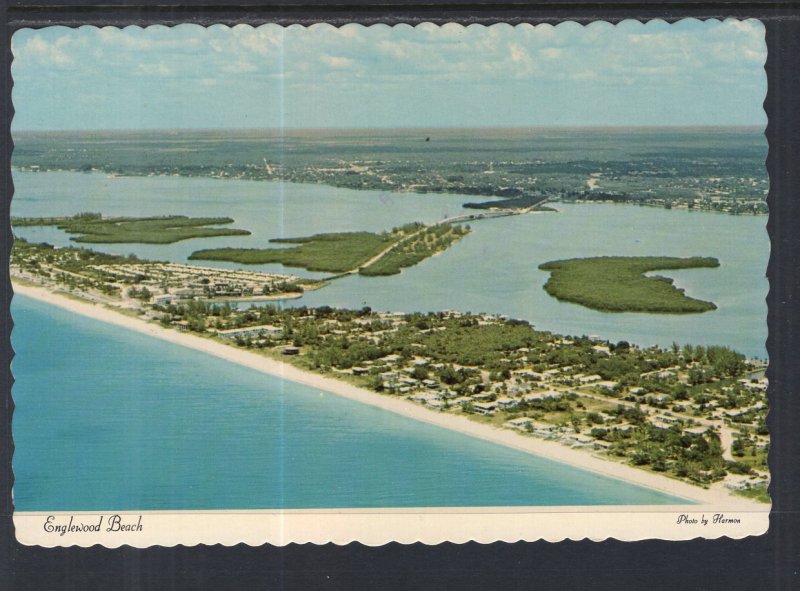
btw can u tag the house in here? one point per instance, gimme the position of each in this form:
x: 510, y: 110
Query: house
x: 581, y: 439
x: 545, y: 395
x: 164, y: 298
x: 532, y: 375
x: 758, y: 385
x: 589, y: 379
x: 696, y: 430
x: 661, y: 424
x: 188, y: 292
x: 430, y: 398
x: 543, y: 428
x: 519, y: 423
x: 484, y: 408
x: 251, y: 331
x: 506, y: 403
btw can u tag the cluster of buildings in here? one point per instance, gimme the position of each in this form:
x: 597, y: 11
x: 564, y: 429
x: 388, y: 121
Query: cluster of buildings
x: 543, y: 401
x: 170, y: 281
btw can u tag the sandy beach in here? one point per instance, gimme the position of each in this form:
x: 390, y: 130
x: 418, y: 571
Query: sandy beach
x: 717, y: 496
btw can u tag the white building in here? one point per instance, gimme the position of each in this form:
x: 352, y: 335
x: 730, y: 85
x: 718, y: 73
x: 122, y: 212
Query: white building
x: 251, y: 331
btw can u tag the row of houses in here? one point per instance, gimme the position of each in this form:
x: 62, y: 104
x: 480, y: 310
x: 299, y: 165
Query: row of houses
x: 173, y: 281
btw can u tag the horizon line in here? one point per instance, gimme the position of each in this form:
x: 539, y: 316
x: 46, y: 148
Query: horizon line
x: 405, y: 128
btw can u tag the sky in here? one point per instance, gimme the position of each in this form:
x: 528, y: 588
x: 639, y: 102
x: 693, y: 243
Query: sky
x: 191, y: 77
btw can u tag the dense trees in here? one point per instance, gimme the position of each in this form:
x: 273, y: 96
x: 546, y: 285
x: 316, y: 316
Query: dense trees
x: 142, y: 294
x: 92, y: 227
x: 619, y: 284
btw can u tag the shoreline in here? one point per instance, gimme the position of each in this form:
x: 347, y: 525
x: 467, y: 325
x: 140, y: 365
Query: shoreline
x: 313, y: 183
x: 717, y: 496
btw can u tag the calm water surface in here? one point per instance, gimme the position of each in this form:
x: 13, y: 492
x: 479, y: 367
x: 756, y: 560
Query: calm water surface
x: 109, y: 419
x: 494, y: 269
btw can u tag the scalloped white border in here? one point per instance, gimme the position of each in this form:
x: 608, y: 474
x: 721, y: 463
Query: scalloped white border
x: 375, y: 527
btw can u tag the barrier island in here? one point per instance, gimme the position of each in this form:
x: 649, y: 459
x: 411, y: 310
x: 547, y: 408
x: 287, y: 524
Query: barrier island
x: 619, y: 284
x: 94, y: 228
x: 694, y: 413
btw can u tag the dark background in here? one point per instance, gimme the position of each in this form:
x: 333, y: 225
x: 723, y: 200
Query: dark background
x: 771, y: 561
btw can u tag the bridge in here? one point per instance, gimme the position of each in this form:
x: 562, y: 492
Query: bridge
x: 492, y: 213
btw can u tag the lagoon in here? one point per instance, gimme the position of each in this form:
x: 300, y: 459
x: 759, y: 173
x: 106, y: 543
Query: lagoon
x: 493, y: 269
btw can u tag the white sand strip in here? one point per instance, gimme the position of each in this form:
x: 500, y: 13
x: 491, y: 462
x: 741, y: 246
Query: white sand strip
x: 717, y: 496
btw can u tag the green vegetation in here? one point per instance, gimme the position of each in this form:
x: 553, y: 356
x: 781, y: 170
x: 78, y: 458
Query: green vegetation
x: 333, y: 253
x: 143, y: 294
x: 72, y: 267
x: 618, y: 284
x: 415, y: 249
x: 465, y: 361
x: 696, y: 457
x: 345, y: 252
x: 32, y: 256
x: 88, y: 270
x: 93, y: 227
x: 525, y: 202
x: 757, y: 492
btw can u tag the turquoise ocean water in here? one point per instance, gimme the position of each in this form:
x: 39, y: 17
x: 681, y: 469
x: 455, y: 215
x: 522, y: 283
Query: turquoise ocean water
x: 109, y: 419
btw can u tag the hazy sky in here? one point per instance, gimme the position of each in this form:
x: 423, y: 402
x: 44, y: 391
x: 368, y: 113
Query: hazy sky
x: 689, y: 73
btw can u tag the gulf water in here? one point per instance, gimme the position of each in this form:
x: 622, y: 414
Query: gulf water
x: 110, y: 419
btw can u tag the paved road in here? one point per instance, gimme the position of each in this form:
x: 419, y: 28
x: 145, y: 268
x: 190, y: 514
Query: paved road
x: 386, y: 251
x: 451, y: 220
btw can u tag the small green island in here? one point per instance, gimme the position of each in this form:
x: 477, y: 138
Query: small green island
x: 329, y: 252
x: 94, y: 228
x: 619, y: 284
x: 367, y: 253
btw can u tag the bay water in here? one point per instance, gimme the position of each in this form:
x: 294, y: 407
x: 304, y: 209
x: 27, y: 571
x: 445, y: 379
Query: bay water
x: 494, y: 269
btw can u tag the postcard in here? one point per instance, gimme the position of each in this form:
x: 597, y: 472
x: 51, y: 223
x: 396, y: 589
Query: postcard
x: 288, y: 284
